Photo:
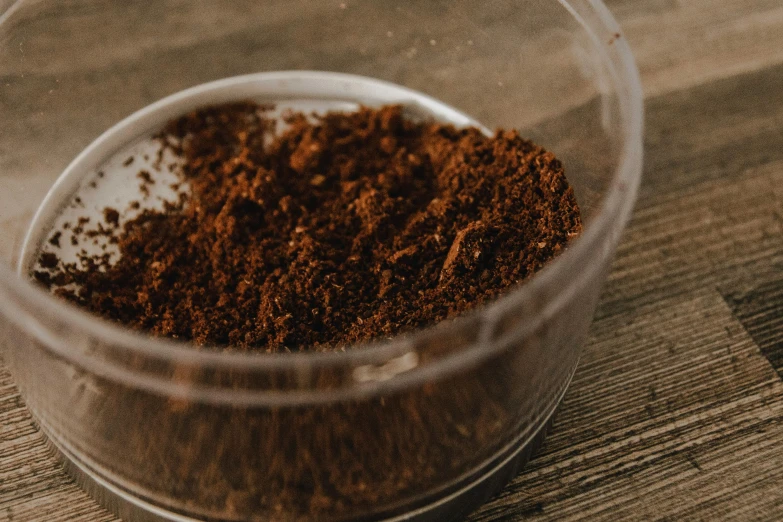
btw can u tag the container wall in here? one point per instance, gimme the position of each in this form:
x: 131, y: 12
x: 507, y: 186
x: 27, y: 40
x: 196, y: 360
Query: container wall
x: 342, y: 459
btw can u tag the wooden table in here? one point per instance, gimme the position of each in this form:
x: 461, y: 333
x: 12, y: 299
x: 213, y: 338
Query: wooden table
x: 676, y: 411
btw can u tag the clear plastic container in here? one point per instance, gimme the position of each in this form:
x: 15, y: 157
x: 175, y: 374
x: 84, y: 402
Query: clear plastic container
x: 127, y: 413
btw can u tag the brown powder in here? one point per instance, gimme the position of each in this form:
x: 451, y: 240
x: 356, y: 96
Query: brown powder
x: 342, y: 229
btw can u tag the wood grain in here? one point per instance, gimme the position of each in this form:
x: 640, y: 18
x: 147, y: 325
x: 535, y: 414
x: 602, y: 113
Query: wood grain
x: 631, y: 443
x: 683, y: 43
x: 676, y: 410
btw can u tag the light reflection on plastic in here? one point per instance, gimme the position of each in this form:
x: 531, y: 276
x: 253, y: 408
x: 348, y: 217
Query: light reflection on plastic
x: 384, y: 372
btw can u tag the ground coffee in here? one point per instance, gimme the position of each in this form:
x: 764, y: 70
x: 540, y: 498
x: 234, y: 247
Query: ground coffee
x: 335, y: 230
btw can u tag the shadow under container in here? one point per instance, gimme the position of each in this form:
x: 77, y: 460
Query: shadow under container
x: 425, y: 426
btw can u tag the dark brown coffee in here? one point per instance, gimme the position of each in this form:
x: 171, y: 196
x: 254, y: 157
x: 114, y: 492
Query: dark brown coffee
x: 338, y: 229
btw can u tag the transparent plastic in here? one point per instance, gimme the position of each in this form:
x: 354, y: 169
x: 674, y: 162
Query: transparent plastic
x: 559, y: 71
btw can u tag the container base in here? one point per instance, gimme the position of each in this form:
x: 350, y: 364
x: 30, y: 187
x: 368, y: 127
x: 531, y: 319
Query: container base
x: 455, y: 506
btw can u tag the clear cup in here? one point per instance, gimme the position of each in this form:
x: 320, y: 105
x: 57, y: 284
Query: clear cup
x: 422, y: 427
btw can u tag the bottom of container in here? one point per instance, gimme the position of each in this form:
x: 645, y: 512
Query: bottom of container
x: 496, y: 474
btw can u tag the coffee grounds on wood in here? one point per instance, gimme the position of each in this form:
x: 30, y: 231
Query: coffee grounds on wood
x: 338, y: 229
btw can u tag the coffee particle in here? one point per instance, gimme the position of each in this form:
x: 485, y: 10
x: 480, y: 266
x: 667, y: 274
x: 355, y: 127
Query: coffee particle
x: 145, y: 177
x: 55, y: 239
x: 48, y: 260
x: 111, y: 216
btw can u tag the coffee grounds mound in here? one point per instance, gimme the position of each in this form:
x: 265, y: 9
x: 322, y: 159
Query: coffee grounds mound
x: 338, y: 229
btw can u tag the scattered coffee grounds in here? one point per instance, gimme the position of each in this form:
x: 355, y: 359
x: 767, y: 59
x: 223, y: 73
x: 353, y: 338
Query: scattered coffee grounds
x: 335, y: 230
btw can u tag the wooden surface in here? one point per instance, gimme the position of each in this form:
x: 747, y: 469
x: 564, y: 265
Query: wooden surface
x: 676, y: 410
